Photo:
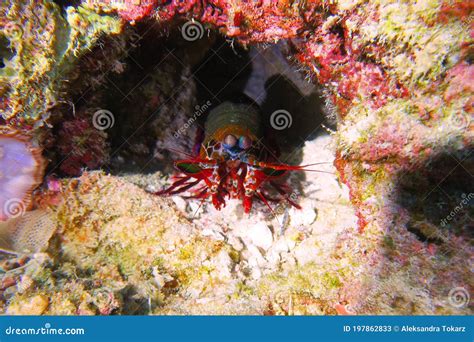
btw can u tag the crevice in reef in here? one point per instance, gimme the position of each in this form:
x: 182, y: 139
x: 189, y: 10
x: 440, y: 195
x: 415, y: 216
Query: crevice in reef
x: 164, y: 81
x: 6, y: 53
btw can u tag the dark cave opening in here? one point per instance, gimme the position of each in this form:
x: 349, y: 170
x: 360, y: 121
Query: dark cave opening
x: 168, y: 80
x: 6, y: 52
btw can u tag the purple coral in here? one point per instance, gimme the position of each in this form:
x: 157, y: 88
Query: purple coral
x: 21, y: 171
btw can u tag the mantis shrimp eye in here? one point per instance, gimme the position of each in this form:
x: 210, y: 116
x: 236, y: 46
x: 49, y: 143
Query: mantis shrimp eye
x: 245, y: 142
x: 230, y: 141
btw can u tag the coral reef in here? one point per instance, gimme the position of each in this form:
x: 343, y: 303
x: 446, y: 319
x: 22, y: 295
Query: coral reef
x: 397, y: 75
x: 82, y: 145
x: 391, y: 70
x: 43, y: 48
x: 119, y: 250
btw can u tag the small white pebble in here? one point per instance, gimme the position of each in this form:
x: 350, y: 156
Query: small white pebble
x: 260, y: 235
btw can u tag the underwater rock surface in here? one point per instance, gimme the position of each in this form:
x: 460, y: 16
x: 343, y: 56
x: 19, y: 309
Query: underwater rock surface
x: 94, y: 91
x: 120, y: 250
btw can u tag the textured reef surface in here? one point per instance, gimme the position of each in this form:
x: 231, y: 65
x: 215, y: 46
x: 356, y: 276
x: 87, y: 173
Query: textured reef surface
x: 98, y: 97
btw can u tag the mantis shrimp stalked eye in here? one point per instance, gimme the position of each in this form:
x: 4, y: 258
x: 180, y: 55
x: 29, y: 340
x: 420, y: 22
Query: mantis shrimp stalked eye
x: 233, y: 161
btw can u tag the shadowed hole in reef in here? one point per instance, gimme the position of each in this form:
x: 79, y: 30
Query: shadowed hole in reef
x: 440, y: 198
x: 135, y: 303
x: 6, y: 52
x: 65, y: 3
x: 169, y: 85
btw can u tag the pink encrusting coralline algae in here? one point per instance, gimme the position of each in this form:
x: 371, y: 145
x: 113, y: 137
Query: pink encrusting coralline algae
x: 21, y: 171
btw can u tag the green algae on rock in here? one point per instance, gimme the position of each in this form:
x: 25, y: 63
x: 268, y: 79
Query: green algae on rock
x: 40, y: 48
x: 120, y: 250
x: 134, y: 248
